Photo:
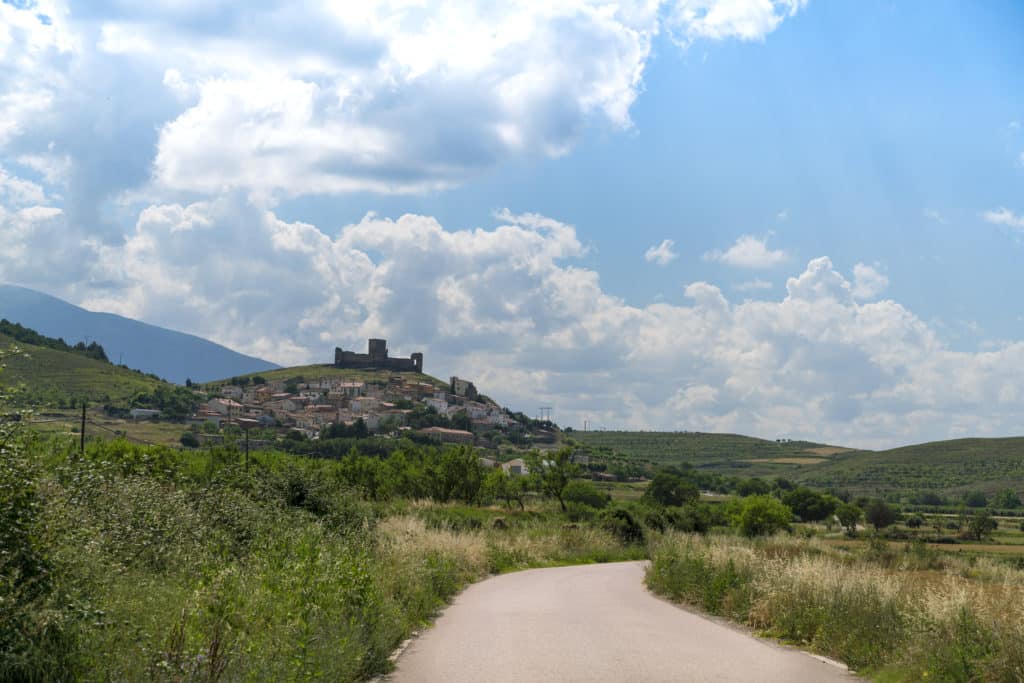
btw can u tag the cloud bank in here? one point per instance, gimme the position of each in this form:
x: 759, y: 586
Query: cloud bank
x: 510, y: 306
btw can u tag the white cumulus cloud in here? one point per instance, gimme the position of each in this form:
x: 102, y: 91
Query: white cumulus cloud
x: 509, y: 305
x: 691, y: 20
x: 748, y: 252
x: 1004, y: 216
x: 662, y: 254
x: 868, y: 282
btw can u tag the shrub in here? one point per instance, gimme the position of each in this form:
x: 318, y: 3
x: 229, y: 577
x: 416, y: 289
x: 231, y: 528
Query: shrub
x: 579, y: 512
x: 671, y: 489
x: 584, y: 493
x: 621, y: 524
x: 762, y: 516
x: 689, y: 518
x: 975, y: 499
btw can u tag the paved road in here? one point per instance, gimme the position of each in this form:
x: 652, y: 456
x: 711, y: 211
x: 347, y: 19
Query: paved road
x: 591, y: 623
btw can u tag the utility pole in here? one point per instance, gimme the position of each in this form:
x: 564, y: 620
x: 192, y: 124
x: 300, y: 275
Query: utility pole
x: 247, y: 450
x: 81, y: 434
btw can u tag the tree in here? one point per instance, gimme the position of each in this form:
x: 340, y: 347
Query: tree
x: 975, y: 499
x: 500, y: 485
x: 671, y: 489
x: 552, y: 472
x: 762, y: 515
x: 915, y: 522
x: 752, y: 487
x: 189, y: 440
x: 981, y: 525
x: 1007, y: 499
x: 879, y: 515
x: 457, y: 475
x: 808, y: 505
x: 849, y: 515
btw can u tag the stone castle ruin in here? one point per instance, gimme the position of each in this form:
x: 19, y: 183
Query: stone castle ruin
x: 377, y: 359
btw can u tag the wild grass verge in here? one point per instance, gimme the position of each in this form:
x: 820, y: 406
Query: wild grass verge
x: 135, y: 563
x: 896, y: 616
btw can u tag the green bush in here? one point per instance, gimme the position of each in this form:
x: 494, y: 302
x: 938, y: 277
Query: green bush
x: 667, y: 488
x: 623, y: 525
x: 762, y: 516
x: 584, y: 493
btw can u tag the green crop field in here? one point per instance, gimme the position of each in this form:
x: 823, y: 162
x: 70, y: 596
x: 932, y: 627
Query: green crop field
x: 727, y: 453
x: 51, y: 377
x: 948, y: 467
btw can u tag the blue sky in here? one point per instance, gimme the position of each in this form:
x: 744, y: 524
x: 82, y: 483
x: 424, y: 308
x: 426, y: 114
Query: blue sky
x: 882, y: 130
x: 841, y: 185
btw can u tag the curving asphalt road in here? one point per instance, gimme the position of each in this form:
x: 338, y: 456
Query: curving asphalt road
x: 591, y: 623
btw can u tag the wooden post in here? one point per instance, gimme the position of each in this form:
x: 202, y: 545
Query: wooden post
x: 81, y: 435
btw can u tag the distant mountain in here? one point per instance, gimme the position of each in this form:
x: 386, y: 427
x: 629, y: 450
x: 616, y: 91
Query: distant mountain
x: 171, y: 355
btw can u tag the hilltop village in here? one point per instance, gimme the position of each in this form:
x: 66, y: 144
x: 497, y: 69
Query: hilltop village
x: 389, y: 396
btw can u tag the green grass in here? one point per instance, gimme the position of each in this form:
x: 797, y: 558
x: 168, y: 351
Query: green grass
x: 49, y: 377
x: 310, y: 372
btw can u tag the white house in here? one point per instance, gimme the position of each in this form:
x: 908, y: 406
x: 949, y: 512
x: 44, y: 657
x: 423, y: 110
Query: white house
x: 225, y: 406
x: 438, y: 404
x: 232, y: 392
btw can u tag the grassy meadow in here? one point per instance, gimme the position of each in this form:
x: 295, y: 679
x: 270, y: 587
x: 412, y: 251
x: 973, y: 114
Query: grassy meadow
x: 893, y: 613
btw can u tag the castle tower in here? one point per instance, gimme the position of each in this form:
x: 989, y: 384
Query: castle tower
x: 378, y: 352
x: 417, y: 362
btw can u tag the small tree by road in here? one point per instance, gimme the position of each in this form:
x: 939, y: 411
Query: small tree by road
x: 553, y: 472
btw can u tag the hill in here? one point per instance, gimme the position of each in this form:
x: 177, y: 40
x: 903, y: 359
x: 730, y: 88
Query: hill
x: 949, y: 468
x: 727, y: 453
x: 946, y: 469
x: 310, y: 372
x: 63, y: 378
x: 172, y: 355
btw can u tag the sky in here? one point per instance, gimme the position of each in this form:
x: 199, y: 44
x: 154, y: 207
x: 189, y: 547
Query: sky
x: 782, y: 218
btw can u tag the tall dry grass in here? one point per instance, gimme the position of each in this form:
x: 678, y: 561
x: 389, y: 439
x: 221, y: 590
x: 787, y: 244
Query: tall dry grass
x: 903, y: 616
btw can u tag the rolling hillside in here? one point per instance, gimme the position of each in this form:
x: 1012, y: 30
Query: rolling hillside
x: 56, y: 378
x: 947, y: 467
x: 309, y: 372
x: 175, y: 356
x: 730, y: 453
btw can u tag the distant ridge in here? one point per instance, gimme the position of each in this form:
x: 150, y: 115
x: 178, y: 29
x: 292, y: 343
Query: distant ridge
x: 175, y: 356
